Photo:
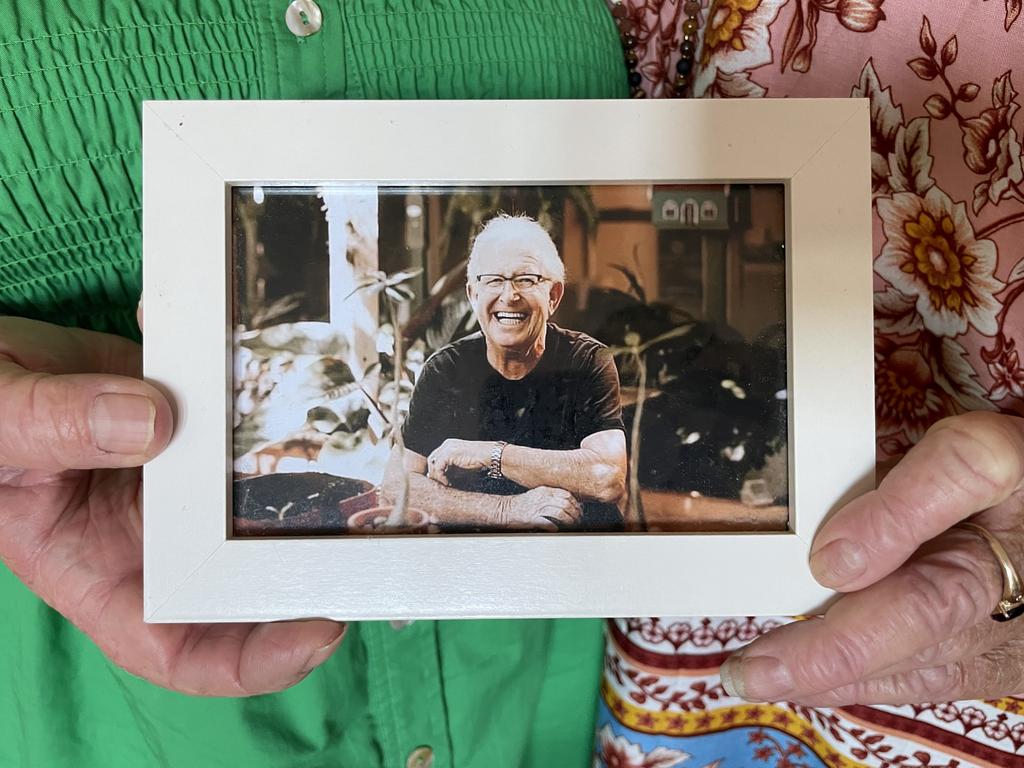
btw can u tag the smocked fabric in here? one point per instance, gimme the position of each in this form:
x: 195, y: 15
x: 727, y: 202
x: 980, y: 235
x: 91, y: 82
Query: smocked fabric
x: 73, y: 75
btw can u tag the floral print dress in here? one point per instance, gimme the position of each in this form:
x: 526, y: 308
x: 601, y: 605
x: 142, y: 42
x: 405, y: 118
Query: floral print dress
x: 948, y: 202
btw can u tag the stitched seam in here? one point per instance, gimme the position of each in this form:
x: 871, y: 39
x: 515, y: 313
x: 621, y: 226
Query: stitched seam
x: 140, y: 57
x: 72, y: 222
x: 44, y: 254
x: 89, y: 159
x: 448, y: 38
x: 75, y: 270
x: 258, y: 50
x: 355, y: 83
x: 121, y: 311
x: 146, y: 87
x: 481, y: 62
x: 279, y: 69
x: 125, y: 28
x: 116, y: 311
x: 323, y: 63
x: 575, y: 19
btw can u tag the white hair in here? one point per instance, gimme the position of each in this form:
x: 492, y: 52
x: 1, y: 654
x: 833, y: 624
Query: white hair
x: 517, y: 235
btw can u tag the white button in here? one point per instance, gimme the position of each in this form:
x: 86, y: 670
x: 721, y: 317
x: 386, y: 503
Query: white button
x: 421, y: 757
x: 303, y: 18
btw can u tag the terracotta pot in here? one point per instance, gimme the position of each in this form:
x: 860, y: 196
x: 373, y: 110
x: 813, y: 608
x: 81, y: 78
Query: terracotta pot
x: 370, y: 521
x: 336, y: 518
x: 319, y: 503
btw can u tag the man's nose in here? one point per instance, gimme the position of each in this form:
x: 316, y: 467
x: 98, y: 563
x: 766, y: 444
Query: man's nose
x: 509, y: 291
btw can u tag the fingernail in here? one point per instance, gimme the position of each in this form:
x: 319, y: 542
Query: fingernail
x: 319, y: 656
x: 755, y: 678
x: 122, y: 423
x: 838, y: 563
x: 730, y: 676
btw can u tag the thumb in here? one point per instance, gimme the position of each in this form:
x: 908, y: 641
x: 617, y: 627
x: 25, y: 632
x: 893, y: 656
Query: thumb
x: 69, y: 399
x: 962, y: 466
x: 79, y: 421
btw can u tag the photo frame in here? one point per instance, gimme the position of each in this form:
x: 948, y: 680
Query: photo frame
x: 197, y: 155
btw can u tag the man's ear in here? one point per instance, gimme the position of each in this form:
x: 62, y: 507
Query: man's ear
x: 469, y: 291
x: 555, y: 297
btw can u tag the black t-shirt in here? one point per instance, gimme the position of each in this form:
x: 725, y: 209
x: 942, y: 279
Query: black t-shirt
x: 572, y: 393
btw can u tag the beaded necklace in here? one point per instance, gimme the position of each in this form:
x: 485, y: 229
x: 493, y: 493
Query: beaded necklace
x: 627, y: 14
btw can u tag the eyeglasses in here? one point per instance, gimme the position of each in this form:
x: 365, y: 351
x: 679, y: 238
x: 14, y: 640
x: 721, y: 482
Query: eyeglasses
x: 521, y: 283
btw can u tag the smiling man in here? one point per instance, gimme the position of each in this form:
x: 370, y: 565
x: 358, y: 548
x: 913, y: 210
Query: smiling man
x: 518, y: 425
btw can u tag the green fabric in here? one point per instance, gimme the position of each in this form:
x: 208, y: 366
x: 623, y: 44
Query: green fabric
x: 72, y: 75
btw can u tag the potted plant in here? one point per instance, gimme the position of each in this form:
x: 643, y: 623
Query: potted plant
x: 284, y: 373
x: 298, y: 503
x: 636, y: 351
x: 396, y: 517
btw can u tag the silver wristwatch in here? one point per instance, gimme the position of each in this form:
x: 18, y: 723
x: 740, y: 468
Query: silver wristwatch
x: 494, y: 472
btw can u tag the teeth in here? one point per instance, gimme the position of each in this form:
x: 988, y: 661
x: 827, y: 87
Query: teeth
x: 510, y: 318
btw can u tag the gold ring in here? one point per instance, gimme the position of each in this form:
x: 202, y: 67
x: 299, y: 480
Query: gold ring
x: 1012, y: 603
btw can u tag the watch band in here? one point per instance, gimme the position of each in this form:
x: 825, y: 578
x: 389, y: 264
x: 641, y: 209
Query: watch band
x: 494, y: 472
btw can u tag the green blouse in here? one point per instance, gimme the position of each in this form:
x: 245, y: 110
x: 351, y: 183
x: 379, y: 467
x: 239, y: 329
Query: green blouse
x: 72, y: 75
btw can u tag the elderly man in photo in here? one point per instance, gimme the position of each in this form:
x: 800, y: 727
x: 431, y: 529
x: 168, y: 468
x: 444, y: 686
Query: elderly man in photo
x: 518, y: 425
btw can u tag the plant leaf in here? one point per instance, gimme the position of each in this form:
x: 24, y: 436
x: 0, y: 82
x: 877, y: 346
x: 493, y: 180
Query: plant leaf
x: 634, y: 283
x: 1012, y: 12
x: 374, y: 281
x: 924, y: 68
x: 1017, y: 272
x: 949, y: 51
x: 794, y: 34
x: 404, y: 291
x: 680, y: 330
x: 886, y: 122
x: 405, y: 276
x: 895, y: 313
x: 980, y: 197
x: 937, y: 106
x: 926, y: 38
x: 911, y: 163
x: 953, y: 372
x: 968, y: 92
x: 394, y: 294
x: 802, y: 59
x: 1003, y: 92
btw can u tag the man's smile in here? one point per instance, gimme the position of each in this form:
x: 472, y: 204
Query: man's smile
x: 510, y: 318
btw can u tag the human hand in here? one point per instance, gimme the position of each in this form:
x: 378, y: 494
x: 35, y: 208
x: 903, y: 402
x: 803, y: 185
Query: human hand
x: 465, y: 455
x: 75, y: 424
x: 916, y: 624
x: 541, y: 507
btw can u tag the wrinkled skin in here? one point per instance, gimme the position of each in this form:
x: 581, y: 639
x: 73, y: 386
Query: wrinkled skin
x: 914, y: 624
x: 71, y: 523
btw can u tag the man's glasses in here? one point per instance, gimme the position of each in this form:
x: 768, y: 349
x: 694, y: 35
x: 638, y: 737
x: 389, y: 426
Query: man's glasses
x: 521, y: 283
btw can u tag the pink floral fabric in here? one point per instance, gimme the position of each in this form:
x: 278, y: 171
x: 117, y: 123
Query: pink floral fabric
x: 948, y: 201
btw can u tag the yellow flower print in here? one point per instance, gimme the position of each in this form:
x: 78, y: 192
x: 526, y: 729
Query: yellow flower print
x: 934, y: 247
x: 724, y: 20
x: 932, y: 255
x: 735, y: 42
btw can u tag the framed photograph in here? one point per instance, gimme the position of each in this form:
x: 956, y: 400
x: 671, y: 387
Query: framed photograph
x: 503, y: 359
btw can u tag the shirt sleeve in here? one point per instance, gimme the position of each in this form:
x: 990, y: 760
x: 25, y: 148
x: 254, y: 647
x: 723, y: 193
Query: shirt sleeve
x: 600, y: 406
x: 430, y: 417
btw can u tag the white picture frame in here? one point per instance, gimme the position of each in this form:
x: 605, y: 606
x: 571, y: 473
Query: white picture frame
x: 194, y: 152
